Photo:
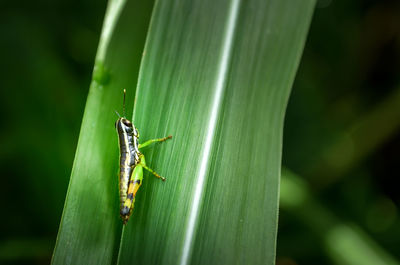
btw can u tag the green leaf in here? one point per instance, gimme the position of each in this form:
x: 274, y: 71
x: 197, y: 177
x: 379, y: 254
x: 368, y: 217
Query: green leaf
x: 216, y: 75
x: 90, y: 227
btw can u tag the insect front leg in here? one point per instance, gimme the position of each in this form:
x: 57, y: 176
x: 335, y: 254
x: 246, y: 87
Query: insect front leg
x: 149, y: 142
x: 143, y: 164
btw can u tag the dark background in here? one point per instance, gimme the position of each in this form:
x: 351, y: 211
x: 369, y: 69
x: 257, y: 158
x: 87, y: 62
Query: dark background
x: 341, y: 131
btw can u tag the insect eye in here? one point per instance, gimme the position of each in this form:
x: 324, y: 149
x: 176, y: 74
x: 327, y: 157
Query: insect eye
x: 127, y: 123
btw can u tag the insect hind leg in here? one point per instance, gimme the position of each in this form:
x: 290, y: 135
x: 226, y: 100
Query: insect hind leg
x: 153, y: 172
x: 143, y: 164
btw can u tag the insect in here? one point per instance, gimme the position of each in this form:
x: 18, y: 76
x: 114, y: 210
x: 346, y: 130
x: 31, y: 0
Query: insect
x: 131, y: 163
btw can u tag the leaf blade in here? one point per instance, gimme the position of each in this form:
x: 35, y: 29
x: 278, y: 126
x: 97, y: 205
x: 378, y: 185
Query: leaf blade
x: 90, y: 227
x: 178, y: 75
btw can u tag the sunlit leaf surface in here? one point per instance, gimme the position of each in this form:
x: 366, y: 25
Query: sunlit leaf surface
x: 216, y: 75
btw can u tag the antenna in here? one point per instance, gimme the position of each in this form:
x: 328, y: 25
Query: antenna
x: 123, y: 106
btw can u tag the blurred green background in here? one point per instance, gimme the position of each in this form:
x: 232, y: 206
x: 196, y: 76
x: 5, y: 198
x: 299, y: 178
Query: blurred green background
x: 341, y: 131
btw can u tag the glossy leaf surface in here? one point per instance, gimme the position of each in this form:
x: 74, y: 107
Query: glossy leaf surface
x: 216, y: 75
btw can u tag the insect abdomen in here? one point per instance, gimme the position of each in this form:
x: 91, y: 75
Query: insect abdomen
x: 134, y: 183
